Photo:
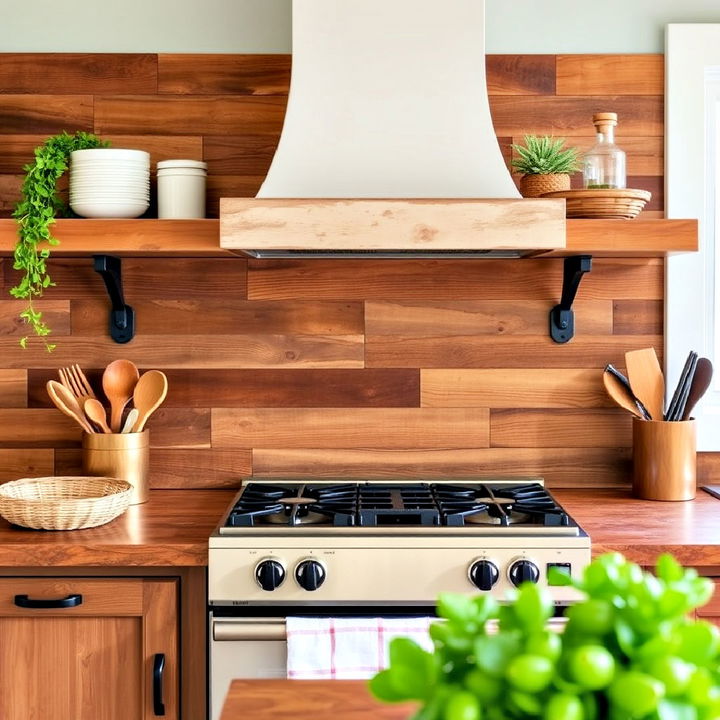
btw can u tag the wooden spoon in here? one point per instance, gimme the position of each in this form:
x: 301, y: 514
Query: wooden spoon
x: 119, y: 381
x: 67, y: 403
x: 96, y: 412
x: 646, y: 380
x: 621, y: 394
x: 701, y: 382
x: 149, y: 393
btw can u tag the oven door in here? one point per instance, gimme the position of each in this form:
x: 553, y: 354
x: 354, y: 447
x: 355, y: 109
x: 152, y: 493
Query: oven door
x: 244, y: 647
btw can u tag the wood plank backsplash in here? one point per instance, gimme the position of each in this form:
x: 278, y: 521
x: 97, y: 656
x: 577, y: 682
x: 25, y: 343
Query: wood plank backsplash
x: 324, y: 367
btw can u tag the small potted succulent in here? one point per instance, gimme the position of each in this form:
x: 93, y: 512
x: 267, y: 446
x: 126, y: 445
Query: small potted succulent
x: 545, y: 165
x: 629, y: 651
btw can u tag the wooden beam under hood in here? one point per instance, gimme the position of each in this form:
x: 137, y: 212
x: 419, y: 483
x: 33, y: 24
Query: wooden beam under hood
x: 251, y: 225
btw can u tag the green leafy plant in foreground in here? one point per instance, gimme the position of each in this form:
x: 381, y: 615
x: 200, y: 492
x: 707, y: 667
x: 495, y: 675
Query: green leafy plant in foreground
x: 545, y: 156
x: 35, y: 213
x: 629, y: 651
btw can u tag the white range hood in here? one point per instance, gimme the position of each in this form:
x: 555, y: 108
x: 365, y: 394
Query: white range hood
x: 388, y: 128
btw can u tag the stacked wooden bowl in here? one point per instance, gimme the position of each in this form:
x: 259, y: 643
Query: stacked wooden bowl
x: 602, y: 203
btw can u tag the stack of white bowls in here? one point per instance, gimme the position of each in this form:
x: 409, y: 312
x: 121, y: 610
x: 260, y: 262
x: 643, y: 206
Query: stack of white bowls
x: 109, y: 182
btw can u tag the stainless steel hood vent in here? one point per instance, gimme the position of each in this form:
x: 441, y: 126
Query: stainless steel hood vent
x: 388, y: 100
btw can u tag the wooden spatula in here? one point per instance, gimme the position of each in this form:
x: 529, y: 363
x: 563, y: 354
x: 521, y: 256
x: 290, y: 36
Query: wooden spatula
x: 646, y: 380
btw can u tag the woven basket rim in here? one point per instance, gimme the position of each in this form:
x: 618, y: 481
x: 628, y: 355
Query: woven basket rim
x: 120, y: 487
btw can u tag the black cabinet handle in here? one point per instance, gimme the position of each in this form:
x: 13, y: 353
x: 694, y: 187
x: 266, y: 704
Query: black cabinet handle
x: 158, y: 670
x: 70, y: 601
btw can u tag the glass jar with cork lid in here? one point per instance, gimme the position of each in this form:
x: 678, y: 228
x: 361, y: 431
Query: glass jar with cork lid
x: 604, y: 162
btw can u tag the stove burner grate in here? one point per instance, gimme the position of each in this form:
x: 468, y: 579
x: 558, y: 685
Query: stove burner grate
x: 386, y: 504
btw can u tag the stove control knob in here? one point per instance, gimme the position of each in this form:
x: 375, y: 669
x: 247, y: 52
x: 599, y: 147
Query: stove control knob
x: 269, y: 574
x: 483, y: 574
x: 310, y: 574
x: 523, y: 571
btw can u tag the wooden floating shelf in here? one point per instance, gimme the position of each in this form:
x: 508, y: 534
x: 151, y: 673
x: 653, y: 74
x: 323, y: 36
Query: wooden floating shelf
x: 200, y: 238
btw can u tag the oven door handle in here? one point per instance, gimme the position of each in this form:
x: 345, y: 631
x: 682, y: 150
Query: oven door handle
x: 238, y: 629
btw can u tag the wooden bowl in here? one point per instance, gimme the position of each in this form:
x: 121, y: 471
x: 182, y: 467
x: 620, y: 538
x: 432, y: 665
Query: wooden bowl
x: 602, y: 203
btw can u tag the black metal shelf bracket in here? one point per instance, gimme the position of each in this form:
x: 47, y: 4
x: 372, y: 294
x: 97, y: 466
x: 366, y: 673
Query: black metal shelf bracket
x: 122, y: 316
x: 562, y: 319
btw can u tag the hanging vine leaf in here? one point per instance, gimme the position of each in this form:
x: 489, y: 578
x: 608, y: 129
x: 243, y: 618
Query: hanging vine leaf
x: 35, y: 213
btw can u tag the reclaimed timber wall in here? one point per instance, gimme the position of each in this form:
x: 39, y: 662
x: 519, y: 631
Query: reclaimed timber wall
x: 325, y: 367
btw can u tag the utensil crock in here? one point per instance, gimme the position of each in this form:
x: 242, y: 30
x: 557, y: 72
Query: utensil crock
x: 122, y: 456
x: 664, y: 459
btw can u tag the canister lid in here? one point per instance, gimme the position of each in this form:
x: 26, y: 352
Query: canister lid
x: 182, y: 164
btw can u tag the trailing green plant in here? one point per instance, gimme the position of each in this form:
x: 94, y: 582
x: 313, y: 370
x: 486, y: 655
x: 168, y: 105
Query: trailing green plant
x: 545, y: 156
x: 35, y: 213
x: 629, y: 651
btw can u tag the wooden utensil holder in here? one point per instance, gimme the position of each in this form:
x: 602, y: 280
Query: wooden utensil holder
x: 664, y: 460
x: 122, y: 456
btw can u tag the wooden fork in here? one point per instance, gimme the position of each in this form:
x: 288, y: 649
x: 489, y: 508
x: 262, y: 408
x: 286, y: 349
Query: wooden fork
x: 74, y: 379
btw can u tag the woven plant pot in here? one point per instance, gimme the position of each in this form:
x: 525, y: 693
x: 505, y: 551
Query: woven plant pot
x: 532, y: 186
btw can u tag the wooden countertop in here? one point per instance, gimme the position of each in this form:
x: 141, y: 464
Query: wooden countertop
x: 307, y: 700
x: 642, y: 529
x: 170, y: 530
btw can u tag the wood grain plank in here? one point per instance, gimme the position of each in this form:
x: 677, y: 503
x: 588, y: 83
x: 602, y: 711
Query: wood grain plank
x: 49, y: 114
x: 568, y: 116
x: 26, y: 462
x: 173, y: 469
x: 391, y: 428
x: 78, y: 73
x: 13, y: 388
x: 248, y: 155
x: 213, y: 279
x: 56, y: 313
x: 532, y: 280
x: 616, y: 237
x: 223, y: 74
x: 199, y: 351
x: 179, y: 428
x: 17, y: 150
x: 520, y: 74
x: 615, y: 74
x: 644, y: 155
x: 561, y: 467
x: 9, y: 194
x: 187, y: 114
x: 514, y: 351
x: 511, y: 388
x: 560, y: 428
x: 229, y: 317
x: 489, y: 317
x: 638, y: 317
x: 21, y: 428
x: 230, y: 186
x: 267, y: 388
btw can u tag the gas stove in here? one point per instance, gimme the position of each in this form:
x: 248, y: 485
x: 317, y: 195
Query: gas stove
x: 356, y: 541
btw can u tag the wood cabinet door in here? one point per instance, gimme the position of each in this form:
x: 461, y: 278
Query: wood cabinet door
x: 88, y: 649
x: 711, y: 611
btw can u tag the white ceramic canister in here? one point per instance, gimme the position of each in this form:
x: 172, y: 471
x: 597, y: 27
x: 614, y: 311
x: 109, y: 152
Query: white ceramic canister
x: 181, y: 188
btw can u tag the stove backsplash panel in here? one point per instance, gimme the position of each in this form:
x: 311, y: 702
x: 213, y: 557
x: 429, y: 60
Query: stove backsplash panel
x: 330, y: 367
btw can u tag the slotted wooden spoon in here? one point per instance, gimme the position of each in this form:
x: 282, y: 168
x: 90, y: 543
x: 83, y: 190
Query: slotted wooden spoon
x: 646, y: 380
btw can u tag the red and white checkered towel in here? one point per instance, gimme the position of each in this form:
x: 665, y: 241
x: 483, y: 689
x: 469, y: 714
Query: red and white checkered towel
x: 347, y: 648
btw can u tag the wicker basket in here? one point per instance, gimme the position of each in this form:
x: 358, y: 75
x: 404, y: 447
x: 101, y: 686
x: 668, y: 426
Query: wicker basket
x: 532, y: 186
x: 63, y: 503
x: 603, y: 203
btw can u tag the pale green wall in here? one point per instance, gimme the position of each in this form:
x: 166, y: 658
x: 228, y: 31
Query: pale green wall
x: 513, y: 26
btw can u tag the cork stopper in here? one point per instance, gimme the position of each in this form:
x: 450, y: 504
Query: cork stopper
x: 605, y: 120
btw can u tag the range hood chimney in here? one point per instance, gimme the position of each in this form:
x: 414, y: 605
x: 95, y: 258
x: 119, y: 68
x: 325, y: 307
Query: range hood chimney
x: 388, y: 143
x: 388, y: 99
